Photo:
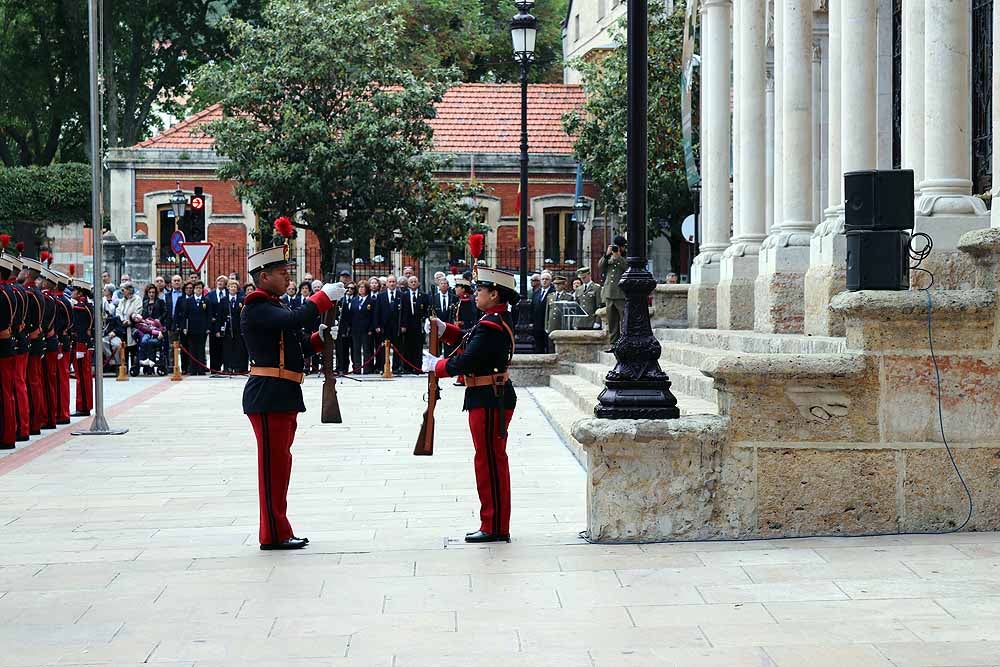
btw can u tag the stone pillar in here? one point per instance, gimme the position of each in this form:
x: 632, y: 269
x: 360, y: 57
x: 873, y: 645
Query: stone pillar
x: 853, y: 33
x: 784, y: 257
x: 778, y: 142
x: 913, y: 91
x: 995, y: 186
x: 946, y: 208
x: 113, y: 257
x: 715, y: 155
x: 138, y: 260
x: 741, y: 259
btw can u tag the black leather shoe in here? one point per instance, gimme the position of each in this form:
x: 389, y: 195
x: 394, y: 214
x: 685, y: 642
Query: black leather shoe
x: 80, y: 414
x: 480, y: 536
x: 22, y: 438
x: 62, y: 423
x: 6, y: 446
x: 290, y: 543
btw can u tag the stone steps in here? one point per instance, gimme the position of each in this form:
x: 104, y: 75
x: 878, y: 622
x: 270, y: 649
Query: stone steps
x: 751, y: 341
x: 684, y: 379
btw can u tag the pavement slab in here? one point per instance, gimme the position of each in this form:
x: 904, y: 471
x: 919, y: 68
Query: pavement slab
x: 141, y: 549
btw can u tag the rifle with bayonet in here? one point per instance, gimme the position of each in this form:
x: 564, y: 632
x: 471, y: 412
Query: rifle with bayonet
x: 330, y: 413
x: 425, y: 441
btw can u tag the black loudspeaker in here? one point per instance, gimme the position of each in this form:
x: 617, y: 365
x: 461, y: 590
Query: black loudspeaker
x: 878, y: 199
x: 878, y: 260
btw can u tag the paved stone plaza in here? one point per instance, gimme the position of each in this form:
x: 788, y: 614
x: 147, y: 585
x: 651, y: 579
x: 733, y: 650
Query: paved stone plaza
x: 142, y: 549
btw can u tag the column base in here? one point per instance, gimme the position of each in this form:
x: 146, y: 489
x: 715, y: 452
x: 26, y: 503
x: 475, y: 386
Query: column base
x: 952, y: 268
x: 826, y: 277
x: 702, y: 294
x: 779, y: 291
x: 735, y: 292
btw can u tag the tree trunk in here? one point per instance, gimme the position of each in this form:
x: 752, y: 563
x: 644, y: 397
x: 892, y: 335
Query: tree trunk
x: 328, y: 252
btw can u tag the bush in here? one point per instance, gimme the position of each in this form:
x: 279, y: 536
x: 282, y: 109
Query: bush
x: 58, y: 193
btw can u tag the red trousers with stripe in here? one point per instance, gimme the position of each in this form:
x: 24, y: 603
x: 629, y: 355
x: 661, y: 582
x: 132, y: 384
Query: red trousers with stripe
x: 489, y: 435
x: 37, y: 394
x: 21, y: 395
x: 275, y: 432
x: 54, y: 386
x: 8, y: 404
x: 84, y: 369
x: 62, y: 370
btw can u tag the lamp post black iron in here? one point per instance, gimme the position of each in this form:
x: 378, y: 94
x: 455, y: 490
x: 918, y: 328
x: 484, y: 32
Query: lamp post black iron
x: 523, y: 29
x: 637, y: 388
x: 581, y: 213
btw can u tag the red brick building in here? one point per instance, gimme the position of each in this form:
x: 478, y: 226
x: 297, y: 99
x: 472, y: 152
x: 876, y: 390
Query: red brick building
x: 477, y: 126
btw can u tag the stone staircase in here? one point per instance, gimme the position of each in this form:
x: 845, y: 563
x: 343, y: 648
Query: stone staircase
x: 572, y: 396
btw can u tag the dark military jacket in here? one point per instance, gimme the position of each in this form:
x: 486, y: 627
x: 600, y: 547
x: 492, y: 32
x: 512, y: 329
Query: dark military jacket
x: 264, y: 322
x: 488, y: 349
x: 20, y: 296
x: 35, y: 320
x: 8, y: 308
x: 63, y: 322
x: 467, y: 314
x: 49, y: 313
x: 83, y: 325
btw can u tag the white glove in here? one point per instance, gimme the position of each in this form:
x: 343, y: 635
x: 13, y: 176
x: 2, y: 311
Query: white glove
x: 322, y: 332
x: 430, y: 362
x: 80, y: 355
x: 334, y: 291
x: 441, y: 326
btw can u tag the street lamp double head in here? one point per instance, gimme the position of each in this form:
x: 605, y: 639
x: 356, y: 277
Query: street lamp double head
x: 581, y: 212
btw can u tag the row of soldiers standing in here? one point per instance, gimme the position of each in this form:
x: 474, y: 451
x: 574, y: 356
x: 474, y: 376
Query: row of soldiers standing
x: 42, y: 331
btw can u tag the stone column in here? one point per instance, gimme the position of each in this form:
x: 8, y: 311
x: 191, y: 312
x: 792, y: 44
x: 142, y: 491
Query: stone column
x: 946, y: 208
x: 715, y: 155
x: 853, y: 29
x: 779, y: 77
x: 784, y: 257
x: 913, y: 91
x: 741, y: 259
x: 769, y: 150
x: 995, y: 186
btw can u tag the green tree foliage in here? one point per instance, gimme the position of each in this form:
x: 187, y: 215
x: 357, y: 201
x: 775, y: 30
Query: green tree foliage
x: 43, y: 94
x: 322, y: 123
x: 601, y: 125
x: 57, y: 194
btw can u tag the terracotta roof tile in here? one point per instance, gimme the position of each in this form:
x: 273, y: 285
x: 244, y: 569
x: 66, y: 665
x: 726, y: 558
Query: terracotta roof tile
x: 471, y: 118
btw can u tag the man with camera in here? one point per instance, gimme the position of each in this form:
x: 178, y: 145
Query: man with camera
x: 612, y: 266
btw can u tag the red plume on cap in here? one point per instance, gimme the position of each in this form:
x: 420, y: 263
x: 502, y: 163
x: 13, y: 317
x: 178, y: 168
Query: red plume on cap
x: 4, y: 241
x: 283, y: 226
x: 476, y: 242
x: 43, y: 256
x: 19, y: 246
x: 454, y: 270
x: 72, y: 269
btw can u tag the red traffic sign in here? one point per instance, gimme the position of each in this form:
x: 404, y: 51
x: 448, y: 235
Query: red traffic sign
x: 197, y: 253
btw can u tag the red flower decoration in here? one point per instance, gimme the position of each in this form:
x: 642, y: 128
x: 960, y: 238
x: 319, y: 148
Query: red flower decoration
x: 476, y: 243
x: 283, y: 226
x: 4, y: 241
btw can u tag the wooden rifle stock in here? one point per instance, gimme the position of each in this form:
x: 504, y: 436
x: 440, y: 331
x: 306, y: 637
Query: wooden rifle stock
x: 425, y: 440
x: 330, y: 413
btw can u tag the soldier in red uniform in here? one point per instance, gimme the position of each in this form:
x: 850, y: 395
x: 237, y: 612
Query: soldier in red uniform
x: 22, y: 407
x: 40, y: 312
x: 272, y: 396
x: 9, y: 323
x: 489, y: 395
x: 83, y: 345
x: 58, y: 350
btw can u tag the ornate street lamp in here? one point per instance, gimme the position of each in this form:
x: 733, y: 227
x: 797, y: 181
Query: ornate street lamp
x: 637, y: 388
x: 581, y: 213
x: 178, y: 202
x: 523, y: 28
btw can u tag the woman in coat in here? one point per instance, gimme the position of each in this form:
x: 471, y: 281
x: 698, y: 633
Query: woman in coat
x: 130, y: 308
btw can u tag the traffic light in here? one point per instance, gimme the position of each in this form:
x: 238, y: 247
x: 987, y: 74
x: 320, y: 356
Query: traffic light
x: 195, y: 218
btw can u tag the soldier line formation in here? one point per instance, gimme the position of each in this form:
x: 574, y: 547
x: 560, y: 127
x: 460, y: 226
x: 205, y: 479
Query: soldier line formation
x: 42, y: 332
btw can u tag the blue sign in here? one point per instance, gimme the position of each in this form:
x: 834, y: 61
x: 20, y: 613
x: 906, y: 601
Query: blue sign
x: 176, y: 239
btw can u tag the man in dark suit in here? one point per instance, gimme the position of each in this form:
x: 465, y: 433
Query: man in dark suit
x: 388, y: 307
x: 219, y: 311
x: 195, y: 322
x: 362, y: 328
x: 343, y: 343
x: 538, y: 303
x: 411, y: 323
x: 172, y: 297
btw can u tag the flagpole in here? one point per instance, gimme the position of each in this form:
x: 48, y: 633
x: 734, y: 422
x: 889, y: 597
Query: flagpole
x: 99, y: 425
